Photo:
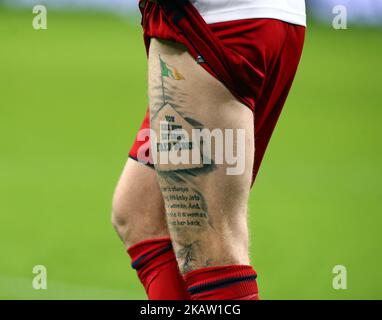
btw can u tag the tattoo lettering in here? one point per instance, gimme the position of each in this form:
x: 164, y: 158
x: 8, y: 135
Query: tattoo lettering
x: 185, y: 206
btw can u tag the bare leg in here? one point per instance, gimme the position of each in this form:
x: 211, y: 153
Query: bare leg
x: 138, y: 209
x: 206, y: 206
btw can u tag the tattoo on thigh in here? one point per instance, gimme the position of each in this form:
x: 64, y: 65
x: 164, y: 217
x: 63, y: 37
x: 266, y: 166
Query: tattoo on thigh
x: 186, y: 207
x: 185, y: 203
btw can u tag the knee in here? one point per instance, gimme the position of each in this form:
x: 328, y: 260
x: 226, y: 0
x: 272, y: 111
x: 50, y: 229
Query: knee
x: 120, y: 217
x: 124, y: 220
x: 135, y: 219
x: 125, y: 216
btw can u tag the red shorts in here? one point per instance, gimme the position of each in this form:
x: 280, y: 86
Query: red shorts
x: 255, y: 59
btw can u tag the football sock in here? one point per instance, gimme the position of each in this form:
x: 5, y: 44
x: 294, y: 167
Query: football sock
x: 237, y: 282
x: 157, y: 268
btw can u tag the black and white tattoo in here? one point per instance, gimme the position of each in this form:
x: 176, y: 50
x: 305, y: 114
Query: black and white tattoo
x: 186, y: 255
x: 185, y: 203
x: 186, y: 207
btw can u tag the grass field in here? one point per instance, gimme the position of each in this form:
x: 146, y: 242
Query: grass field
x: 72, y: 98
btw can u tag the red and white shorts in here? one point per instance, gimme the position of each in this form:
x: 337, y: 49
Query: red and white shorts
x: 256, y: 59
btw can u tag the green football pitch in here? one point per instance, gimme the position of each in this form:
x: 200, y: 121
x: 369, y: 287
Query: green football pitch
x: 73, y: 96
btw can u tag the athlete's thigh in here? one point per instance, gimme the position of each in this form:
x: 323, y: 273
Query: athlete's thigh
x: 205, y: 200
x: 138, y: 208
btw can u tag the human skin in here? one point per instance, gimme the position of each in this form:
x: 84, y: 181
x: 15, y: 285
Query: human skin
x: 151, y: 204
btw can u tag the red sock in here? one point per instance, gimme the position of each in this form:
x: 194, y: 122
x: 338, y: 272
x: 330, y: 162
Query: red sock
x: 223, y: 283
x: 158, y: 270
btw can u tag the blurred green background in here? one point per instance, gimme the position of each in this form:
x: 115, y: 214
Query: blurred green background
x: 72, y: 98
